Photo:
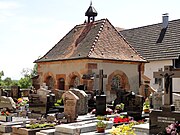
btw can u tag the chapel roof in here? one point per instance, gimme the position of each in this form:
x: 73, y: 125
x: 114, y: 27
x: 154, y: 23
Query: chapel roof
x: 155, y: 43
x: 97, y: 40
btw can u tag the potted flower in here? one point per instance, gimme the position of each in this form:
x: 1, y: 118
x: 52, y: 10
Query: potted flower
x: 101, y: 126
x: 21, y: 103
x: 146, y: 106
x: 5, y: 115
x: 119, y: 107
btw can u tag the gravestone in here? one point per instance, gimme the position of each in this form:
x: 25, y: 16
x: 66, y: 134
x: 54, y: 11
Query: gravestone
x: 70, y: 105
x: 100, y: 98
x: 50, y: 104
x: 15, y: 92
x: 120, y: 97
x: 42, y: 93
x: 7, y: 102
x: 82, y: 102
x: 160, y: 119
x: 133, y: 105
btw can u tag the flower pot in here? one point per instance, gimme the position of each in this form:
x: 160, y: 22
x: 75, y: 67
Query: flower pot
x: 146, y: 110
x: 100, y: 129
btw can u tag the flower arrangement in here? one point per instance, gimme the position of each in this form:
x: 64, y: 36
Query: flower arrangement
x: 21, y: 102
x: 120, y: 106
x: 5, y: 113
x: 121, y: 119
x: 123, y: 129
x: 172, y: 129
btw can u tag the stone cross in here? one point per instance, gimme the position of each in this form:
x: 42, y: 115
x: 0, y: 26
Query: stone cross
x: 168, y: 73
x: 101, y: 76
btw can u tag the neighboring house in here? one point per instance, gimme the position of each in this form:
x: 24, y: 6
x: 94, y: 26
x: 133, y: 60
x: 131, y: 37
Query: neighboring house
x: 77, y: 58
x: 159, y: 44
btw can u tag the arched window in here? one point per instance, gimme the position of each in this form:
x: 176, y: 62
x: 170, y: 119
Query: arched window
x: 50, y: 82
x: 76, y: 82
x: 61, y: 83
x: 116, y: 83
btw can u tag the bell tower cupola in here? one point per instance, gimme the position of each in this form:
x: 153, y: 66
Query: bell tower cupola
x: 91, y: 13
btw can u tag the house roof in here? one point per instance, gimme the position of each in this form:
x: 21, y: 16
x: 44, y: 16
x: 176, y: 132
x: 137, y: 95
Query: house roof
x: 155, y: 43
x: 99, y: 40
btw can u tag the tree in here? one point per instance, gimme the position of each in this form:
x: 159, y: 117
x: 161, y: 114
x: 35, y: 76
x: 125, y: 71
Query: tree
x: 1, y: 82
x: 34, y: 71
x: 25, y: 82
x: 7, y: 81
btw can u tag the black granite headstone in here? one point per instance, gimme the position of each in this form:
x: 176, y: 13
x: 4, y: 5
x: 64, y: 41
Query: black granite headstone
x: 50, y: 104
x: 100, y: 105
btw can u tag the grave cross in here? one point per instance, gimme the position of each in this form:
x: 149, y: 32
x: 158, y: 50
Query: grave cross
x: 168, y: 73
x: 101, y: 76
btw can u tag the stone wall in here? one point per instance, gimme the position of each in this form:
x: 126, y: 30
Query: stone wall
x: 70, y: 68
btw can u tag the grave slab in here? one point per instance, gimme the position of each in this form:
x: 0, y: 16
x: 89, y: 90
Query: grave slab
x: 79, y: 127
x: 19, y: 130
x: 46, y: 132
x: 6, y: 127
x: 141, y: 129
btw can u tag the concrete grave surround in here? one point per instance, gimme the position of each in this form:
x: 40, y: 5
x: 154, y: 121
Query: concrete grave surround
x: 82, y: 102
x: 7, y: 102
x: 79, y: 127
x: 70, y: 105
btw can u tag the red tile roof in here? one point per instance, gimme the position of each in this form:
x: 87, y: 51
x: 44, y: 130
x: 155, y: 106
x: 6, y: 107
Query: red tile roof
x: 99, y: 40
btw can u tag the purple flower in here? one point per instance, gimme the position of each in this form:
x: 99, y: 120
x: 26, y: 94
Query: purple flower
x: 168, y: 130
x: 173, y: 133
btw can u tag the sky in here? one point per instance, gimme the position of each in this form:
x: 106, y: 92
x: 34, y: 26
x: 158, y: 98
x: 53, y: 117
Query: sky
x: 30, y: 28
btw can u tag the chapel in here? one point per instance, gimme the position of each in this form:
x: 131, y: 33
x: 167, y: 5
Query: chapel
x: 75, y: 61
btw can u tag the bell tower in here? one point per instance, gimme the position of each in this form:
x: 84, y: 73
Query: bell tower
x: 91, y: 13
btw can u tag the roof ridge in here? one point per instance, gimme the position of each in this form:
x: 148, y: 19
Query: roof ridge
x: 126, y: 41
x: 91, y: 22
x: 97, y: 37
x: 148, y: 25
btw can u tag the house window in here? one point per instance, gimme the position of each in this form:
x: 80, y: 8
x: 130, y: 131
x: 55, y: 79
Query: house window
x: 157, y: 80
x: 176, y: 63
x: 116, y: 82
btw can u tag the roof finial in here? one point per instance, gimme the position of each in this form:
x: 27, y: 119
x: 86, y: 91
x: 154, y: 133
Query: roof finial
x: 91, y: 13
x: 91, y: 3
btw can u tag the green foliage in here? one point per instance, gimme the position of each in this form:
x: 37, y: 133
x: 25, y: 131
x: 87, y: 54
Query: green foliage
x: 120, y: 106
x: 25, y: 82
x: 59, y: 102
x: 37, y: 125
x: 101, y: 124
x: 34, y: 71
x: 1, y: 74
x: 146, y: 104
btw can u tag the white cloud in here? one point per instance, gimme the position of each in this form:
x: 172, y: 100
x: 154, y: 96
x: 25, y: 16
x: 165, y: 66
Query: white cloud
x: 9, y: 5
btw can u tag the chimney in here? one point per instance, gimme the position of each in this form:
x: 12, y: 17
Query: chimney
x: 165, y: 20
